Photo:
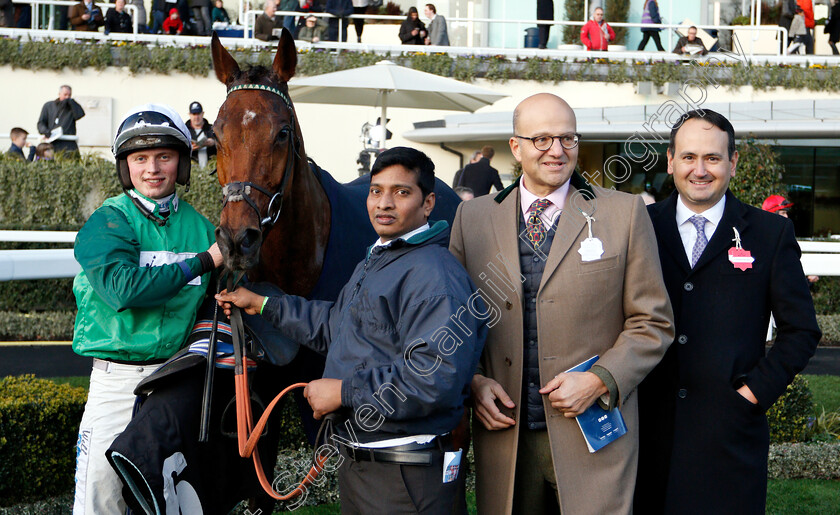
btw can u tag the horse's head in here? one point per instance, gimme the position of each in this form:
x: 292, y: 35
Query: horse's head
x: 259, y: 149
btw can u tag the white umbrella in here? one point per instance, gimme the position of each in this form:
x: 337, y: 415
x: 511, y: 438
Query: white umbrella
x: 386, y: 84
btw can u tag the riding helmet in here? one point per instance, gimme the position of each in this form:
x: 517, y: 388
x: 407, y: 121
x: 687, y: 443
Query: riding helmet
x: 152, y: 126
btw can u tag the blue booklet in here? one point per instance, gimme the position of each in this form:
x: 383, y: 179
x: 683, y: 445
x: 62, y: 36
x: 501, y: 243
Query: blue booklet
x: 599, y: 426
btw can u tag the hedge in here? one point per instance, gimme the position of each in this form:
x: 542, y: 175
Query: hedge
x: 804, y: 461
x: 61, y: 194
x: 39, y: 424
x: 788, y: 417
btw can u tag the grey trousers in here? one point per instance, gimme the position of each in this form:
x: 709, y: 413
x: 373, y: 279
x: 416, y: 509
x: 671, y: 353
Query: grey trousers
x: 368, y: 487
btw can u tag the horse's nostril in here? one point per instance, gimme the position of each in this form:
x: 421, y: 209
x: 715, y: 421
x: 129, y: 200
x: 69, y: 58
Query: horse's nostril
x: 249, y: 240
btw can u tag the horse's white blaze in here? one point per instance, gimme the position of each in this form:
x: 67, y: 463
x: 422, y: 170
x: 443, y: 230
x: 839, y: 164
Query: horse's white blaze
x: 248, y: 116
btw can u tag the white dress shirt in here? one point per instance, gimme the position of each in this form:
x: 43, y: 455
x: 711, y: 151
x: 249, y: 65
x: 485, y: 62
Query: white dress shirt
x: 688, y: 233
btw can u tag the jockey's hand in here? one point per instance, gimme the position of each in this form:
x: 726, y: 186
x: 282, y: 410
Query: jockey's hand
x: 324, y: 396
x: 240, y: 297
x: 216, y: 254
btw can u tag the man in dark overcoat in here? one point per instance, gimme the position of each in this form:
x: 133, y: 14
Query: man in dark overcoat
x: 703, y: 432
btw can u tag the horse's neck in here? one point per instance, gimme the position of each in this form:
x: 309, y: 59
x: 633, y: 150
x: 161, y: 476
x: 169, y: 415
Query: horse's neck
x: 292, y: 255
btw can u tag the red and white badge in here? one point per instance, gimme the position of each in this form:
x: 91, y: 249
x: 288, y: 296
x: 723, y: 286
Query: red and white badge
x: 739, y: 256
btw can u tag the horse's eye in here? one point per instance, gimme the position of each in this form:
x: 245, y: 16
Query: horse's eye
x: 283, y: 135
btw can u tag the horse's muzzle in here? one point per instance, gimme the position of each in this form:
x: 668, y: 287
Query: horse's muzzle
x: 242, y: 250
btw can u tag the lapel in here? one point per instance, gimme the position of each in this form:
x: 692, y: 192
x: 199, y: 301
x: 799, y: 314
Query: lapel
x: 722, y: 239
x: 505, y: 222
x: 665, y: 225
x: 569, y: 225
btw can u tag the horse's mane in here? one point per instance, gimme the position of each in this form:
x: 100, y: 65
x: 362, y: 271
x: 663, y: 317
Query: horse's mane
x: 253, y: 73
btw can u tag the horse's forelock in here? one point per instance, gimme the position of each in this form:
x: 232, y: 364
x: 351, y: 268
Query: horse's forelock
x: 254, y: 74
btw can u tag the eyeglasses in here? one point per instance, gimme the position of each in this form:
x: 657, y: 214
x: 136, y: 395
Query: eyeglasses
x: 543, y: 143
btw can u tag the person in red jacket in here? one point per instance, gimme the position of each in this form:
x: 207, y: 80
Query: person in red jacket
x: 173, y: 25
x: 597, y: 34
x: 808, y: 11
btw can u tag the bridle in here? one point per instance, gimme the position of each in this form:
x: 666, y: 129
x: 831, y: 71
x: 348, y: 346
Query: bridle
x: 250, y: 430
x: 241, y: 190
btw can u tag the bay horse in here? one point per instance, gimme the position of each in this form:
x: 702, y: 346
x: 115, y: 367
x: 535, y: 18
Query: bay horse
x: 290, y: 226
x: 285, y: 221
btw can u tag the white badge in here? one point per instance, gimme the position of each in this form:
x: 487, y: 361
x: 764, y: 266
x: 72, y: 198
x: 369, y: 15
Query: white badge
x: 591, y: 249
x: 451, y: 465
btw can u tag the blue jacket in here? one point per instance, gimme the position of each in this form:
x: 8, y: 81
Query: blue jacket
x: 404, y: 336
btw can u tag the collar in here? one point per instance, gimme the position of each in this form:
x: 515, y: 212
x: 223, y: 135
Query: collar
x: 406, y: 236
x: 713, y: 214
x: 557, y: 197
x: 433, y: 16
x: 156, y: 206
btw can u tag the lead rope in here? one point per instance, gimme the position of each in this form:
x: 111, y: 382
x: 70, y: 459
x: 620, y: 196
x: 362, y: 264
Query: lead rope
x: 248, y: 434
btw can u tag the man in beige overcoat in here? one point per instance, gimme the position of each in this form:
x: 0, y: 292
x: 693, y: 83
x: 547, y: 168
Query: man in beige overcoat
x: 569, y: 271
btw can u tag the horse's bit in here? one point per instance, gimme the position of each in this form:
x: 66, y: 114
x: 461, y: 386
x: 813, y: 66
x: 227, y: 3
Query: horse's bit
x: 241, y: 190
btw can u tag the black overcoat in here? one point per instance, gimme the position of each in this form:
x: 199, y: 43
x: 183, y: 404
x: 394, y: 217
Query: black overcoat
x: 703, y: 447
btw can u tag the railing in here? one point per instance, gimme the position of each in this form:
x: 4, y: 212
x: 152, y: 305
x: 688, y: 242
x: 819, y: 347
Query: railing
x: 820, y: 258
x: 247, y: 17
x: 36, y: 7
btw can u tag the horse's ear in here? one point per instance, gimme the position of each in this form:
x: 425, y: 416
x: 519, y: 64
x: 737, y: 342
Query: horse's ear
x: 223, y: 63
x: 285, y: 60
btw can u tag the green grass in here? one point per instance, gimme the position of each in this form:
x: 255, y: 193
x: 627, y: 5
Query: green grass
x: 802, y: 497
x: 826, y: 390
x: 82, y: 381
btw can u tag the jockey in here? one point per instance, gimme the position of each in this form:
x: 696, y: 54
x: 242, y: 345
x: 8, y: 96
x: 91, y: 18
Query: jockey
x: 146, y: 259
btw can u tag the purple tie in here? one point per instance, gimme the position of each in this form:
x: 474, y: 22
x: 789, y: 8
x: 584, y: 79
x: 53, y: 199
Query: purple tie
x: 700, y: 245
x: 534, y: 227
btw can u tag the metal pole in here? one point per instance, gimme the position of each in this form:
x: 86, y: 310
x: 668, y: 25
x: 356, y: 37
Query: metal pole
x: 383, y: 120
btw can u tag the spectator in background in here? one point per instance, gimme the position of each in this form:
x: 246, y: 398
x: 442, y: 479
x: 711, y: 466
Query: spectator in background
x: 340, y: 9
x: 808, y: 12
x: 142, y: 21
x: 86, y: 16
x: 201, y: 16
x: 798, y: 33
x: 480, y: 176
x: 690, y: 44
x: 44, y: 151
x: 312, y: 31
x: 359, y: 7
x: 438, y: 35
x: 7, y: 13
x: 159, y: 8
x: 597, y: 34
x: 289, y: 22
x: 781, y: 206
x: 832, y: 26
x: 464, y: 193
x: 650, y: 15
x: 116, y: 19
x: 173, y: 25
x: 62, y: 114
x: 456, y: 181
x: 202, y: 137
x: 220, y: 14
x: 786, y: 14
x: 412, y: 30
x: 18, y: 137
x: 545, y: 11
x: 267, y: 22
